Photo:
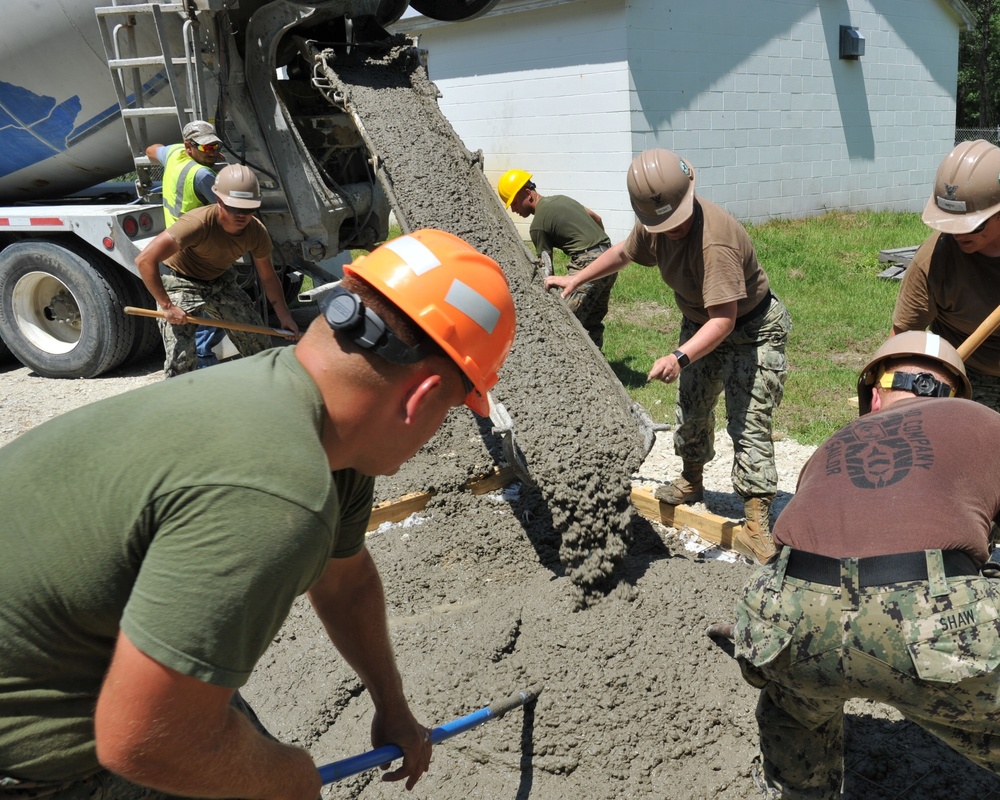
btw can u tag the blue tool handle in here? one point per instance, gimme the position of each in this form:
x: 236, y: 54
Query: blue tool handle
x: 390, y: 752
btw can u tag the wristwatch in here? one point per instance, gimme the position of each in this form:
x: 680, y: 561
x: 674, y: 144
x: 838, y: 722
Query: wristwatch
x: 682, y: 358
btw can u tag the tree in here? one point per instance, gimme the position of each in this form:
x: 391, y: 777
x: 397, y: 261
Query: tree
x: 979, y: 68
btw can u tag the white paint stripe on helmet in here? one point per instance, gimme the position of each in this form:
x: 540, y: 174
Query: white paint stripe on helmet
x: 415, y: 254
x: 471, y: 303
x: 932, y: 345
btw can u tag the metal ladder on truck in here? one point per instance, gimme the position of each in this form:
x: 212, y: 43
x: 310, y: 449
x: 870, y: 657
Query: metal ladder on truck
x: 184, y: 75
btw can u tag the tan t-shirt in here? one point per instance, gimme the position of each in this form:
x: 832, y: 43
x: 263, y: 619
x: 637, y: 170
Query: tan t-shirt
x: 951, y: 292
x: 207, y: 251
x: 918, y: 475
x: 714, y: 264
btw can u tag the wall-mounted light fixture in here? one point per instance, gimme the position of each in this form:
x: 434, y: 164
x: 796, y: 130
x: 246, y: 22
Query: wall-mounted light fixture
x: 852, y: 43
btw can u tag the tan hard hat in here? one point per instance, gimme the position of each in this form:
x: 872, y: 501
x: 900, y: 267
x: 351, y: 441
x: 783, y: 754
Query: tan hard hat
x: 237, y: 186
x: 913, y: 343
x: 661, y: 188
x: 966, y: 188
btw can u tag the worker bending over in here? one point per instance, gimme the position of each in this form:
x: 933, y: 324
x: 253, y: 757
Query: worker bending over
x: 188, y: 270
x: 562, y: 222
x: 877, y: 591
x: 732, y: 340
x: 953, y: 282
x: 140, y: 595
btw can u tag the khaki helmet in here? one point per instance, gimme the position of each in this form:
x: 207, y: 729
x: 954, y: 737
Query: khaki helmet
x: 661, y: 188
x: 510, y: 183
x: 457, y: 295
x: 966, y: 188
x: 237, y: 186
x: 912, y: 343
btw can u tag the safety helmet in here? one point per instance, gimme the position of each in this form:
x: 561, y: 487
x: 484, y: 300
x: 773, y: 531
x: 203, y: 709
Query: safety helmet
x: 455, y: 294
x: 238, y: 186
x: 966, y: 188
x: 913, y: 343
x: 510, y: 183
x: 661, y: 188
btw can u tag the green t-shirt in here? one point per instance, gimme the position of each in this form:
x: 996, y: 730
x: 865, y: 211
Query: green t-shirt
x: 562, y: 222
x: 190, y: 514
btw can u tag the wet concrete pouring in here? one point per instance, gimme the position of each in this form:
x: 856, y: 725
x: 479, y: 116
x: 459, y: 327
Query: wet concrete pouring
x: 557, y: 585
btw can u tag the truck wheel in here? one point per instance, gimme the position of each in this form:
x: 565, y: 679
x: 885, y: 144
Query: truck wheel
x: 61, y: 312
x: 147, y: 339
x: 5, y: 354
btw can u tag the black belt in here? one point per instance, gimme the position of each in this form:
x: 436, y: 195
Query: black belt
x: 597, y: 249
x: 757, y: 310
x: 165, y: 270
x: 876, y: 570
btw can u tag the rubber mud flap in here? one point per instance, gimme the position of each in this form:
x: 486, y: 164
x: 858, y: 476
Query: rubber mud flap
x: 960, y: 642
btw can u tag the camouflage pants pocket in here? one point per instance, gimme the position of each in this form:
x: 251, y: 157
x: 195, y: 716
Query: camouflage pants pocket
x: 958, y: 642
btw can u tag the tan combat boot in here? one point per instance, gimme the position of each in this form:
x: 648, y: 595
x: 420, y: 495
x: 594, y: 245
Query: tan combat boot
x: 754, y: 540
x: 685, y: 489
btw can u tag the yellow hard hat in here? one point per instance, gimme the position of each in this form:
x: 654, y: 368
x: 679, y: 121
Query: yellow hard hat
x: 511, y: 182
x: 457, y: 295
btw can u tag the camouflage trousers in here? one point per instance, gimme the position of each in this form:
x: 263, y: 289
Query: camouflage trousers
x: 985, y: 388
x: 928, y: 648
x: 219, y: 299
x: 749, y: 366
x: 105, y: 785
x: 589, y: 303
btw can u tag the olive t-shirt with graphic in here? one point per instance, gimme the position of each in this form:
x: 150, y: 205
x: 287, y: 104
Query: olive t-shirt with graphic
x: 207, y: 250
x: 190, y: 514
x: 918, y: 475
x: 714, y: 264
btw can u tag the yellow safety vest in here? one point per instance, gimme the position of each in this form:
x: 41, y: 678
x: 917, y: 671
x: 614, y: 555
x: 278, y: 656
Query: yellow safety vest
x: 179, y: 173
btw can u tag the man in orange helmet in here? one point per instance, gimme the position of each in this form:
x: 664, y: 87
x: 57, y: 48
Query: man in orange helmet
x: 732, y: 339
x: 139, y: 597
x: 953, y: 282
x: 562, y: 222
x: 188, y: 270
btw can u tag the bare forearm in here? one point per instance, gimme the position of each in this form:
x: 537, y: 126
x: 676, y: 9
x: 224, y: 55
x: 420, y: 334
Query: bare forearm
x: 609, y: 262
x: 362, y: 636
x: 708, y: 337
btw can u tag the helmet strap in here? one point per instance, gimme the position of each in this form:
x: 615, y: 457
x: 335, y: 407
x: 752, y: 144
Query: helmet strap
x: 922, y: 384
x: 347, y: 314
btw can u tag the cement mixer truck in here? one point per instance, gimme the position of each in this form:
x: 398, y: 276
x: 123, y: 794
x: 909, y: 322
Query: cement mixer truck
x: 84, y: 91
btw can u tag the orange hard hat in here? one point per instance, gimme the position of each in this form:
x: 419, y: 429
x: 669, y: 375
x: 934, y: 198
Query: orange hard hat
x: 455, y: 294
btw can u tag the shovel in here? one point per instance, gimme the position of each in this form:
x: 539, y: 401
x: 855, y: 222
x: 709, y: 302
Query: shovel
x: 214, y: 323
x: 383, y: 755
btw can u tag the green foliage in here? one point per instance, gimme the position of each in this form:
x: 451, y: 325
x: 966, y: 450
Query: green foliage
x: 979, y: 67
x: 825, y: 270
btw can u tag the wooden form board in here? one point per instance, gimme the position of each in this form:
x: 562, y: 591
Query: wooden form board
x: 710, y: 527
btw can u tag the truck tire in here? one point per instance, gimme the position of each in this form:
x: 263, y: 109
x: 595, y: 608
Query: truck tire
x: 61, y: 311
x: 147, y: 339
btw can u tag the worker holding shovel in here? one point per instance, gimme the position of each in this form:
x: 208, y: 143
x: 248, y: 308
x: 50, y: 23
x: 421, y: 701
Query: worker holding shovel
x: 188, y: 270
x: 140, y: 595
x: 953, y: 282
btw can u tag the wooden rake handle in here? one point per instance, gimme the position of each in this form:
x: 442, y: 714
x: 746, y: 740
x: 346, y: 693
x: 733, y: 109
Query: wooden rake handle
x: 980, y: 334
x: 215, y: 323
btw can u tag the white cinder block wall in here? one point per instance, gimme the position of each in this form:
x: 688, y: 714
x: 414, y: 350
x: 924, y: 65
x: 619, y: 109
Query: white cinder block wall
x: 752, y: 92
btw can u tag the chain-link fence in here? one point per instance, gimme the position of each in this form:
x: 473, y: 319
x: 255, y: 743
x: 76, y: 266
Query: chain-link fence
x: 970, y: 134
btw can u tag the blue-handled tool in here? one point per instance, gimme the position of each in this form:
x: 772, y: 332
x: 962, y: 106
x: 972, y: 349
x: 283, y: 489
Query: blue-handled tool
x: 383, y: 755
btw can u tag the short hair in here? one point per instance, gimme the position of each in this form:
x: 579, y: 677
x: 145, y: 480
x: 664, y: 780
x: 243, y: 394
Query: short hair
x: 530, y: 186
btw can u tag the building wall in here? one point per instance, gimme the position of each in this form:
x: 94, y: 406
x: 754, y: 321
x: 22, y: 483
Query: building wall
x: 753, y: 94
x: 775, y: 123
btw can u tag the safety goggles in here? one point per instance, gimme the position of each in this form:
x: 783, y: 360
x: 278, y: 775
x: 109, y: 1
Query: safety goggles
x: 214, y: 147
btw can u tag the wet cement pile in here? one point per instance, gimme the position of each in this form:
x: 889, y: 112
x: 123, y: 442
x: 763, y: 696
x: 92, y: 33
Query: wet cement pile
x: 572, y: 418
